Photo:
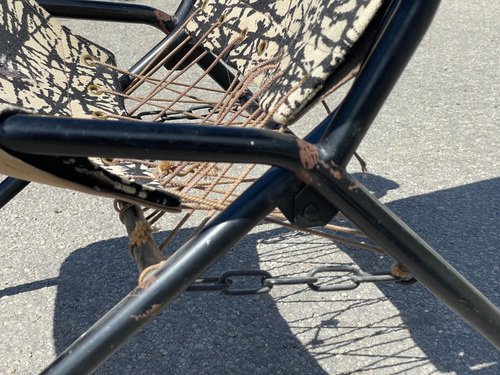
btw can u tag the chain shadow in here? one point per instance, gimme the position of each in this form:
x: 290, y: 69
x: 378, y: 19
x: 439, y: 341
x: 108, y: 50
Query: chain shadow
x: 213, y: 333
x: 199, y: 333
x: 462, y: 225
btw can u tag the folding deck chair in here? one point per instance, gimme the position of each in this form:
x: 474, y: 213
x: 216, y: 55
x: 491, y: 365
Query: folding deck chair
x: 159, y: 137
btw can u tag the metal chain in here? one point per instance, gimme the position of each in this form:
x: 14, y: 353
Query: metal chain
x: 192, y: 113
x: 316, y: 279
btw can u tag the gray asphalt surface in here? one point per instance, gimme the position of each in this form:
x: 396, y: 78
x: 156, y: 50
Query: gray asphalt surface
x: 433, y: 157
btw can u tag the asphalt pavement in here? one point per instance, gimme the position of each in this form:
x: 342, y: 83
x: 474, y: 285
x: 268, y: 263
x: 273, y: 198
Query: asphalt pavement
x: 433, y: 156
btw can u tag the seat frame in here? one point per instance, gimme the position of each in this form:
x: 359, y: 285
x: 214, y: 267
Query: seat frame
x: 318, y: 161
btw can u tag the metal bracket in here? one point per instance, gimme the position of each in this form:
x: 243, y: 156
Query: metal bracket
x: 308, y: 208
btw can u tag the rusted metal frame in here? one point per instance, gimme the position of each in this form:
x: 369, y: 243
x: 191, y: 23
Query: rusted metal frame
x: 146, y: 253
x: 171, y: 279
x: 116, y: 327
x: 109, y: 11
x: 69, y: 137
x: 348, y: 126
x: 320, y: 171
x: 175, y: 275
x: 405, y: 246
x: 99, y: 11
x: 221, y: 234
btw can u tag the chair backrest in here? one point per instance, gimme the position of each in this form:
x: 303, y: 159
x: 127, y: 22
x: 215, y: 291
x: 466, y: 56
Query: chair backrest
x: 302, y: 41
x: 47, y: 69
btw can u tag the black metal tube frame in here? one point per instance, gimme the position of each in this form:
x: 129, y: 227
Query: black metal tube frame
x: 109, y: 11
x: 105, y: 11
x: 130, y: 13
x: 318, y: 161
x: 9, y: 188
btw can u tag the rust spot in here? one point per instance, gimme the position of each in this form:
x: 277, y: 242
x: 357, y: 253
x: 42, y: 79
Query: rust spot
x: 400, y: 271
x: 354, y: 186
x: 146, y: 282
x: 334, y: 170
x: 336, y: 173
x: 308, y: 154
x: 149, y: 313
x: 163, y: 18
x: 305, y: 176
x: 146, y: 278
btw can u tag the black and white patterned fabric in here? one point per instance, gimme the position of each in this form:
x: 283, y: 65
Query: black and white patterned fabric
x: 43, y: 65
x: 45, y: 69
x: 308, y: 38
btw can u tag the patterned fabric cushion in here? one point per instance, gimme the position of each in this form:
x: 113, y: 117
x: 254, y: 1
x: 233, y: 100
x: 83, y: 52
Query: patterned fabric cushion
x: 308, y: 38
x: 44, y: 69
x: 43, y: 65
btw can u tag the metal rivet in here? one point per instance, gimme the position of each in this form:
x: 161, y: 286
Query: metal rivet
x: 94, y: 90
x: 222, y: 18
x: 262, y: 47
x: 88, y: 60
x: 99, y: 115
x: 311, y: 212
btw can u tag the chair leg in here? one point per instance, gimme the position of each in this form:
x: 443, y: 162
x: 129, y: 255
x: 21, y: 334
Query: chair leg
x: 405, y: 246
x: 143, y: 248
x: 192, y: 259
x: 9, y: 188
x: 177, y: 273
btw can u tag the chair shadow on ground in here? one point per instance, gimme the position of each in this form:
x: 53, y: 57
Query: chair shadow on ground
x: 212, y: 333
x: 462, y: 225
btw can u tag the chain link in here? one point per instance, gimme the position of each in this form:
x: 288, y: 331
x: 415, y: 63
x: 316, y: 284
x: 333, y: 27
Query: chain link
x: 345, y: 277
x: 193, y: 113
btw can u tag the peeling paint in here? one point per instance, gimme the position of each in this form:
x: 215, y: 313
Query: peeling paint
x: 334, y: 170
x: 162, y: 18
x: 354, y: 186
x: 149, y: 313
x: 308, y: 154
x: 147, y: 282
